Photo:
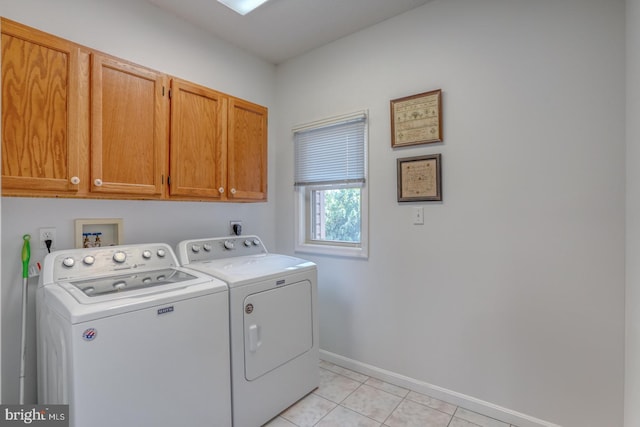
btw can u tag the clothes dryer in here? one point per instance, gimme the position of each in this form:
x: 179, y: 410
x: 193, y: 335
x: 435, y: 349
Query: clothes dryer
x: 273, y: 320
x: 128, y: 338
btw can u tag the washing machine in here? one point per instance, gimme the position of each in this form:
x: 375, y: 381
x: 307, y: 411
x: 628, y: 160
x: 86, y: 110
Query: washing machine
x: 126, y: 337
x: 273, y: 320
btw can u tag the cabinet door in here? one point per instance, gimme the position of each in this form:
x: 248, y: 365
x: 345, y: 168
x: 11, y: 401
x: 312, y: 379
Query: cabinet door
x: 129, y: 116
x: 40, y: 117
x: 247, y: 151
x: 198, y: 141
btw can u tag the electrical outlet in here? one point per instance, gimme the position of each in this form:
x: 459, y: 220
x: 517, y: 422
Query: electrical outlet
x: 47, y: 234
x: 233, y: 227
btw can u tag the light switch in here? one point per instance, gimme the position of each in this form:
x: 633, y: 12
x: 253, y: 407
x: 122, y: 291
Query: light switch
x: 418, y: 215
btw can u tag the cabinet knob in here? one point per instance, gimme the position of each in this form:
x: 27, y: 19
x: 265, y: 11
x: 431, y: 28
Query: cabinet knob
x: 97, y: 182
x: 233, y: 191
x: 221, y: 190
x: 75, y: 180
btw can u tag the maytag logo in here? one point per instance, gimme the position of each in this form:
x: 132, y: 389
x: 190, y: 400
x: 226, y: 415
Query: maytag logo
x: 165, y: 310
x: 280, y: 282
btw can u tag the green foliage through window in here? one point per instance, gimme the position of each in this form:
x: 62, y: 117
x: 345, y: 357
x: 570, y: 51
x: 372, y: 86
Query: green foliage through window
x: 337, y: 214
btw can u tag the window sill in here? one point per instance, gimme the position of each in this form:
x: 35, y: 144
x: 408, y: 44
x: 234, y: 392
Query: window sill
x: 333, y: 250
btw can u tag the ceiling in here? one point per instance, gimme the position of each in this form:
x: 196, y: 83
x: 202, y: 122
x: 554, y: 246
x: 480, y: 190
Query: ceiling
x: 281, y: 29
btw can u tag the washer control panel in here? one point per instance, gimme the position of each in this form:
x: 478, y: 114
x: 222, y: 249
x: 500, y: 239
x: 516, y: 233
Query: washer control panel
x: 93, y: 262
x: 219, y: 248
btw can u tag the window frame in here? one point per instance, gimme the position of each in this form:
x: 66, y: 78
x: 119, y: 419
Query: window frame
x: 304, y: 212
x: 303, y: 220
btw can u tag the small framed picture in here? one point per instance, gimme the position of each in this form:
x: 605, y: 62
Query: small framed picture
x: 416, y: 119
x: 96, y: 232
x: 420, y: 179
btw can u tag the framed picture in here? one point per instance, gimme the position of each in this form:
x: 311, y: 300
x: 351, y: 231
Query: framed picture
x: 416, y: 119
x: 420, y: 179
x: 98, y: 232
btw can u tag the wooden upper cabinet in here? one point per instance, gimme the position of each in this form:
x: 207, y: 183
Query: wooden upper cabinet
x: 40, y: 112
x: 246, y: 151
x: 218, y: 145
x: 80, y: 123
x: 198, y: 141
x: 129, y: 115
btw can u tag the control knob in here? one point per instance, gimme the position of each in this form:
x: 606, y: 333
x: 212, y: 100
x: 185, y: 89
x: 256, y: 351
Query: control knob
x: 228, y: 244
x: 146, y: 254
x: 161, y: 253
x: 207, y: 247
x: 195, y: 248
x: 119, y: 257
x: 89, y: 260
x: 68, y: 262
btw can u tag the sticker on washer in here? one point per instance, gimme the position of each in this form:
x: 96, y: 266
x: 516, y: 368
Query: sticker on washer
x: 89, y: 334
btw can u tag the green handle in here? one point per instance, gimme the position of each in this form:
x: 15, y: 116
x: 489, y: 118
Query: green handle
x: 26, y: 255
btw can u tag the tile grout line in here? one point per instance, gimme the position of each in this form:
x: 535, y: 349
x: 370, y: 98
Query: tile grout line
x: 403, y: 398
x: 337, y: 403
x: 347, y: 396
x: 394, y: 409
x: 406, y: 398
x: 340, y: 403
x: 453, y: 415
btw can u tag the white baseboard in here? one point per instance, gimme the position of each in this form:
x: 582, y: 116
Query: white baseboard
x: 471, y: 403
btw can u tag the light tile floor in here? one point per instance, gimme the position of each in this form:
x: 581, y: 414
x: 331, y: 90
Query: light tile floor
x: 347, y: 398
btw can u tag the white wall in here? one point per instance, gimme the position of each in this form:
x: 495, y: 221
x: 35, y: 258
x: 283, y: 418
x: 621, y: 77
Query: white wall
x: 136, y: 31
x: 513, y: 290
x: 632, y: 366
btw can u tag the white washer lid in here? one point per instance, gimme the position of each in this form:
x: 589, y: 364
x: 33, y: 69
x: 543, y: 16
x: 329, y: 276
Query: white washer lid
x: 76, y: 307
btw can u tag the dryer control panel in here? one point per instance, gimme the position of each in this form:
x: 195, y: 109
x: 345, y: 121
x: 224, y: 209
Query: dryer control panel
x: 219, y: 248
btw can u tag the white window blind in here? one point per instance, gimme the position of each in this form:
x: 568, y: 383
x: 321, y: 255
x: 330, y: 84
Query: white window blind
x: 332, y: 152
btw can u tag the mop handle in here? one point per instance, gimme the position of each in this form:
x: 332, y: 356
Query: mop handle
x: 26, y: 256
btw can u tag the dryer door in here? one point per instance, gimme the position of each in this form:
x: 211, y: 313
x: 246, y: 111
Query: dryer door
x: 278, y: 327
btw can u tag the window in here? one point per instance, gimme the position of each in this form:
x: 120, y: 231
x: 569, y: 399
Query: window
x: 330, y: 182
